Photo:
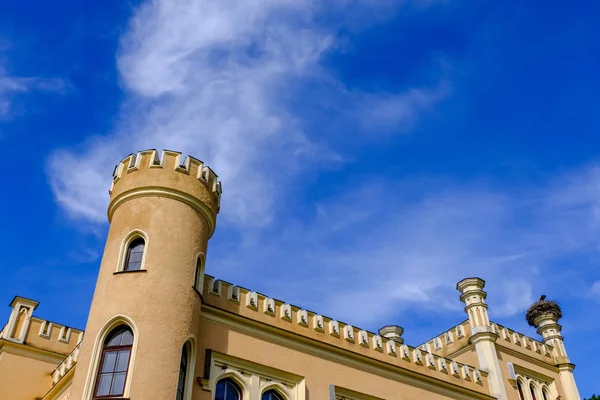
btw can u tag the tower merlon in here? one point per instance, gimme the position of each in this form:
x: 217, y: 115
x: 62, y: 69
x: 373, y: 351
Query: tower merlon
x: 166, y: 174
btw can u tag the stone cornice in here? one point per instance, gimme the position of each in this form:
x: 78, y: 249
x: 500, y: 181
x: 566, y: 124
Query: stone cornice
x: 157, y: 191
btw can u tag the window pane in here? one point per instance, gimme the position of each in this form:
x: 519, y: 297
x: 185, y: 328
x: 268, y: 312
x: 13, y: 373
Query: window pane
x: 109, y: 361
x: 220, y: 392
x: 126, y: 338
x: 118, y: 383
x: 271, y: 395
x: 122, y: 361
x: 104, y: 385
x: 231, y: 392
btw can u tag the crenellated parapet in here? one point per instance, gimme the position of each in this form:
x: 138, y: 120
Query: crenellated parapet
x: 310, y: 325
x: 166, y: 174
x: 449, y: 342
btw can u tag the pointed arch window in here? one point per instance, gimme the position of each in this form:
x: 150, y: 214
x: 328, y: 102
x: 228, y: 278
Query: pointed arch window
x: 134, y: 255
x: 271, y: 395
x: 545, y: 394
x: 183, y: 368
x: 520, y: 388
x: 227, y: 389
x: 114, y: 363
x: 532, y: 390
x: 199, y: 279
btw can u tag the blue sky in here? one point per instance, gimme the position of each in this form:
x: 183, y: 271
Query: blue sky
x: 372, y: 153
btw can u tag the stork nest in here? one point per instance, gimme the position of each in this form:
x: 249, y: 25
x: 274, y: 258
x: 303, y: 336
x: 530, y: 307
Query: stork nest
x: 541, y: 308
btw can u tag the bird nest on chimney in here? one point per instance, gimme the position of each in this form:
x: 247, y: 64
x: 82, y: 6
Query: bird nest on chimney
x: 540, y: 308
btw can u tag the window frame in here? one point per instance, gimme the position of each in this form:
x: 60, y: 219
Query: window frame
x: 93, y: 367
x: 234, y: 382
x: 200, y: 272
x: 272, y: 389
x: 106, y: 349
x: 125, y: 253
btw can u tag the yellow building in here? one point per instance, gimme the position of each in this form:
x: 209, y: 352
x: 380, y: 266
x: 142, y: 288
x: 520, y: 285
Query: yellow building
x: 160, y: 329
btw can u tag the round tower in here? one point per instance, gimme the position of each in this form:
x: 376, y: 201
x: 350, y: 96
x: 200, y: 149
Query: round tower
x: 146, y: 306
x: 544, y: 315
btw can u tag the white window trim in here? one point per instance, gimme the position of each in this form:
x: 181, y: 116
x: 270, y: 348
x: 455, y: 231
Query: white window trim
x: 131, y: 236
x: 200, y: 272
x: 188, y: 389
x: 90, y: 383
x: 254, y: 379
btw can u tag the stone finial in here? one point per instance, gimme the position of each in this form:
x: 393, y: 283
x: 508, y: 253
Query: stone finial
x: 542, y: 308
x: 392, y: 332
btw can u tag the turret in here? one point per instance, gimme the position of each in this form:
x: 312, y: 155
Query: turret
x: 544, y: 315
x: 147, y: 301
x: 482, y: 334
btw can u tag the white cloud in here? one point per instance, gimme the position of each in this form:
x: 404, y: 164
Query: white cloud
x: 12, y: 86
x: 383, y: 248
x: 216, y: 79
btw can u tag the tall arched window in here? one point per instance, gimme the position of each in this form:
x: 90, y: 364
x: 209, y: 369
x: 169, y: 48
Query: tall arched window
x: 199, y: 282
x: 532, y: 390
x: 227, y: 389
x: 271, y: 395
x: 520, y: 388
x: 183, y: 366
x: 545, y: 394
x: 135, y: 254
x: 114, y: 363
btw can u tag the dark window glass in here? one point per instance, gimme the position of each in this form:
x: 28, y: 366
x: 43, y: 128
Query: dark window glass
x: 545, y: 395
x: 228, y: 390
x: 199, y: 275
x: 271, y: 395
x: 182, y: 373
x: 135, y: 253
x: 114, y: 363
x: 521, y: 396
x: 532, y: 390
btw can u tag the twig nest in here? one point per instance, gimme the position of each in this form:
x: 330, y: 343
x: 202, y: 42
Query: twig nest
x: 541, y: 308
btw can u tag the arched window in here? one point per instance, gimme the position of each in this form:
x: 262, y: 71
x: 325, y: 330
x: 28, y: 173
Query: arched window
x: 183, y: 366
x: 545, y: 394
x: 532, y: 390
x: 271, y: 395
x: 114, y: 363
x: 520, y: 388
x: 199, y: 281
x: 227, y: 389
x: 135, y: 254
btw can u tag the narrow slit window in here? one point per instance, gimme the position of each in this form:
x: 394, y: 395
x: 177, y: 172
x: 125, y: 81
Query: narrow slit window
x: 532, y: 390
x: 183, y: 366
x: 135, y: 254
x: 520, y: 388
x: 199, y: 281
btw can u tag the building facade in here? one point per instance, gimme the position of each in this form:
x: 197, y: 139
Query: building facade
x: 160, y: 328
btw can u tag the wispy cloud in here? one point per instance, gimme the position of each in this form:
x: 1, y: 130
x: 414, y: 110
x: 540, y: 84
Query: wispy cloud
x: 384, y: 247
x: 221, y: 80
x: 12, y: 86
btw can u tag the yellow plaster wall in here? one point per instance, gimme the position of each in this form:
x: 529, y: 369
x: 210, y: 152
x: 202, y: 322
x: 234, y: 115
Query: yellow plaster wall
x: 52, y: 343
x: 319, y: 372
x: 23, y: 378
x: 529, y: 364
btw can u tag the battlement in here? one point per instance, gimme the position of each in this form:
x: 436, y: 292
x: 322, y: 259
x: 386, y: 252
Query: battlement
x: 166, y: 174
x: 278, y: 314
x: 450, y: 341
x: 524, y: 344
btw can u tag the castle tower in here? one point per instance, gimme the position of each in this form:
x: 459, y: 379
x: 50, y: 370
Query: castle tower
x: 482, y: 334
x: 544, y: 315
x: 147, y: 301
